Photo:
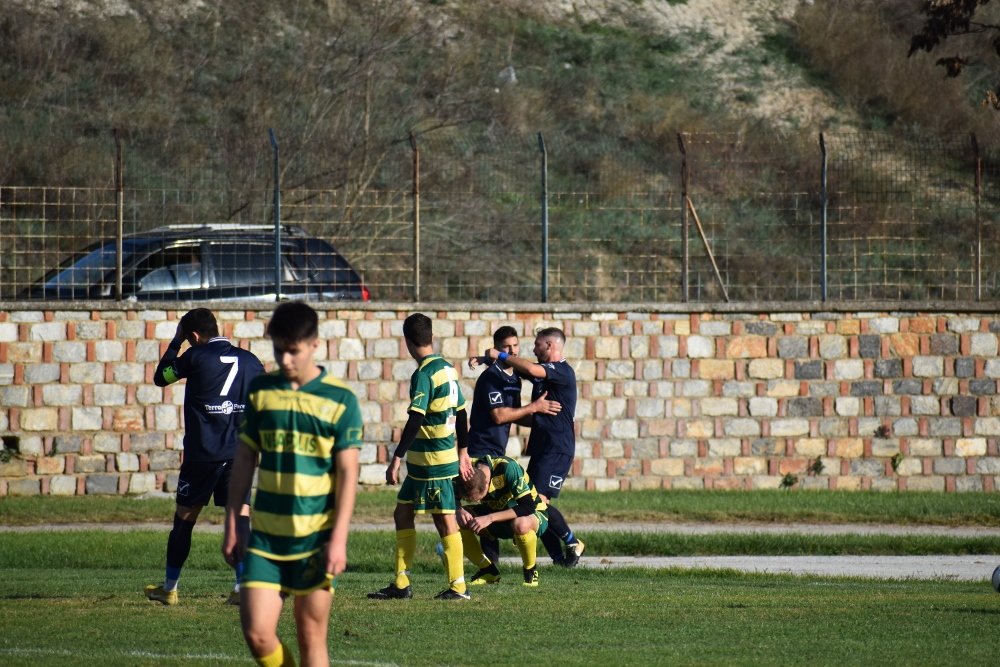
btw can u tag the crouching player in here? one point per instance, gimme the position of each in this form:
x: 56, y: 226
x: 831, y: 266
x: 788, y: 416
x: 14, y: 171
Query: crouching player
x: 505, y: 505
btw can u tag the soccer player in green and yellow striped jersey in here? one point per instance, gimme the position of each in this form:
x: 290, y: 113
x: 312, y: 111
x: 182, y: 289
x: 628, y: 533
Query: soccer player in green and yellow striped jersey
x: 303, y: 432
x: 437, y: 420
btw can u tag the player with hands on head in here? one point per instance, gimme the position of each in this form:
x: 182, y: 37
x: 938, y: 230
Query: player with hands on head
x: 504, y: 505
x: 218, y: 374
x: 302, y: 434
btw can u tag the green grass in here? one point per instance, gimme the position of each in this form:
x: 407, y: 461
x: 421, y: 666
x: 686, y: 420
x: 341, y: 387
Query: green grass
x: 74, y: 597
x: 375, y: 506
x: 69, y: 599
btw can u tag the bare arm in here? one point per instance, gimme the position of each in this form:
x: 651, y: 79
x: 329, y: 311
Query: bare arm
x: 347, y: 488
x: 519, y: 364
x: 240, y: 480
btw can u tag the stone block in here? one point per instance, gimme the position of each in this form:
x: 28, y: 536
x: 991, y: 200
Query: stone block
x: 749, y: 465
x: 793, y: 347
x: 929, y: 447
x: 889, y: 368
x: 966, y: 447
x: 24, y: 487
x: 763, y: 407
x: 62, y: 485
x: 761, y: 328
x: 848, y: 369
x: 741, y: 428
x: 887, y: 406
x: 720, y: 407
x: 804, y: 407
x: 949, y: 466
x: 142, y: 482
x: 41, y: 373
x: 866, y: 388
x: 40, y: 419
x: 925, y: 405
x: 784, y: 428
x: 98, y: 485
x: 724, y: 447
x: 963, y: 406
x: 767, y: 447
x: 811, y: 447
x: 906, y: 387
x: 983, y: 344
x: 700, y: 347
x: 746, y: 347
x: 782, y: 388
x: 669, y: 467
x: 846, y: 406
x: 883, y: 325
x: 965, y: 367
x: 809, y: 370
x: 944, y: 344
x: 716, y: 369
x: 848, y: 448
x: 904, y: 345
x: 766, y: 369
x: 867, y: 468
x: 982, y: 387
x: 832, y: 347
x: 884, y: 448
x: 928, y: 366
x: 869, y: 346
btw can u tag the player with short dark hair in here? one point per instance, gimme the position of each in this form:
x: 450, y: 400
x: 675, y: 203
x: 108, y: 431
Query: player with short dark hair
x: 218, y: 375
x: 303, y: 433
x: 496, y: 404
x: 505, y: 506
x: 437, y: 420
x: 552, y: 443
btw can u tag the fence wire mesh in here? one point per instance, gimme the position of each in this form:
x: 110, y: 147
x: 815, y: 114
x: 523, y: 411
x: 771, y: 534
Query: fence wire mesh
x: 447, y: 216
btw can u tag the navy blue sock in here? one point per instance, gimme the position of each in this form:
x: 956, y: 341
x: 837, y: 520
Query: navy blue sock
x: 558, y: 525
x: 491, y: 549
x: 243, y: 531
x: 178, y: 547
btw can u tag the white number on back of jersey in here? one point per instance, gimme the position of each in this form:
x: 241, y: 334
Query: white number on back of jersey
x: 235, y: 361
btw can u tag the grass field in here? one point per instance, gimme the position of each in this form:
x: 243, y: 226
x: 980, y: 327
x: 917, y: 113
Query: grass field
x: 70, y: 598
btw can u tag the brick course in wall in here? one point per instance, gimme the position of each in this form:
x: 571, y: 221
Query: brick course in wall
x: 667, y: 399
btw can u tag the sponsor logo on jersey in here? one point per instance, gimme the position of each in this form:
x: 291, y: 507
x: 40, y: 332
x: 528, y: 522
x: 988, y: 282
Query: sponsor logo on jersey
x: 495, y: 398
x: 555, y: 482
x: 226, y: 408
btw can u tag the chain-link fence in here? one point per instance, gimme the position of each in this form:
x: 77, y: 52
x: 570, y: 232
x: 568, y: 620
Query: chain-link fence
x: 445, y: 217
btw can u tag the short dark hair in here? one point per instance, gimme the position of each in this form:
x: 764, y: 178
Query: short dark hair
x: 418, y: 329
x: 293, y: 322
x: 200, y: 321
x: 475, y: 485
x: 551, y: 332
x: 502, y: 334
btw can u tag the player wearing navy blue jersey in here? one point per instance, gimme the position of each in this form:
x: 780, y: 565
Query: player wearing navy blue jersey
x: 552, y: 444
x: 218, y: 375
x: 496, y: 404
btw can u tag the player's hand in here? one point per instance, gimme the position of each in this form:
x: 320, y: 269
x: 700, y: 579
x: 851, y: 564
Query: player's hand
x: 336, y: 558
x: 474, y: 362
x: 465, y: 466
x: 179, y: 335
x: 232, y: 550
x: 392, y: 471
x: 463, y: 516
x: 543, y: 406
x: 480, y: 523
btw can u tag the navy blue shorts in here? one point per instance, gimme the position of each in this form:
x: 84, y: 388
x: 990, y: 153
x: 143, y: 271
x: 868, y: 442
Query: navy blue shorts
x: 547, y: 472
x: 201, y: 481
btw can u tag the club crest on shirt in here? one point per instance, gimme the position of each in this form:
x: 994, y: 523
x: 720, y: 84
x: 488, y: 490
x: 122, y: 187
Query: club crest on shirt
x: 495, y: 398
x: 433, y: 495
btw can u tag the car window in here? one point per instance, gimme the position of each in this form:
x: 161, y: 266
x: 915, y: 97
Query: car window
x: 86, y: 271
x: 240, y: 264
x: 171, y: 269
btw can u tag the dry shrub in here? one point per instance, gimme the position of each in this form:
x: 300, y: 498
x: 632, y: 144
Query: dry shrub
x: 861, y: 46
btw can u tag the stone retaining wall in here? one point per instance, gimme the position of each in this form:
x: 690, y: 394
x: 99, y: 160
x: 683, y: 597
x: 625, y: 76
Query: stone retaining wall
x: 667, y: 399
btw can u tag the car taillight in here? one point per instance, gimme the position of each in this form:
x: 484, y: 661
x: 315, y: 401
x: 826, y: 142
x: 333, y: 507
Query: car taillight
x: 365, y: 294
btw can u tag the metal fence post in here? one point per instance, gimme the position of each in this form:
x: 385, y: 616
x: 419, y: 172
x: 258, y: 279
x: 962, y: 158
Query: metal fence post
x: 979, y: 219
x: 119, y: 214
x: 277, y: 218
x: 545, y: 218
x: 416, y: 217
x: 685, y: 261
x: 823, y: 198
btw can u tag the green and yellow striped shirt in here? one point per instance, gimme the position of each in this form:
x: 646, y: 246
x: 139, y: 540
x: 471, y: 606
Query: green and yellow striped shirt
x: 297, y: 434
x: 435, y: 394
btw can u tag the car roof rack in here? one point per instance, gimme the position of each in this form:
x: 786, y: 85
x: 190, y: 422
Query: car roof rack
x: 225, y: 227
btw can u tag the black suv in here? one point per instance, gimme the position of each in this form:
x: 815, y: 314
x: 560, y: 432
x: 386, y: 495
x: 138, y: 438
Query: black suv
x: 210, y: 262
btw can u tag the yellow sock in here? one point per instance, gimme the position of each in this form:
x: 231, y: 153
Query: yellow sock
x: 527, y: 546
x: 406, y: 547
x: 281, y: 657
x: 473, y: 550
x: 453, y: 561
